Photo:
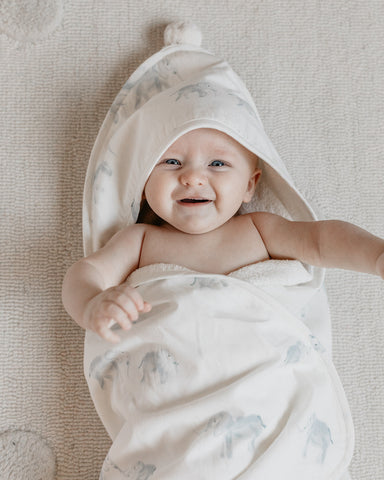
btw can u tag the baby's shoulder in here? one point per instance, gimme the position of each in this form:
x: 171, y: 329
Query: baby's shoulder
x: 254, y: 219
x: 131, y: 234
x: 244, y: 227
x: 263, y: 224
x: 262, y: 215
x: 262, y: 219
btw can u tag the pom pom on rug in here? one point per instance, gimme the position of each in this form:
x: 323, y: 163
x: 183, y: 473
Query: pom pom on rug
x: 30, y: 20
x: 25, y: 456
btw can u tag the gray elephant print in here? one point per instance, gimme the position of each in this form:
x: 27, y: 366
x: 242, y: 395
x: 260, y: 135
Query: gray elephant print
x: 140, y: 471
x: 103, y: 168
x: 318, y: 438
x: 229, y: 428
x: 154, y: 80
x: 201, y: 89
x: 119, y: 107
x: 158, y: 365
x: 296, y: 352
x: 108, y: 466
x: 106, y: 367
x: 315, y: 342
x: 240, y: 102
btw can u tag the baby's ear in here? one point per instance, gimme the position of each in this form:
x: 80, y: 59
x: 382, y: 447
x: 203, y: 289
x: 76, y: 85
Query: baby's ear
x: 255, y: 177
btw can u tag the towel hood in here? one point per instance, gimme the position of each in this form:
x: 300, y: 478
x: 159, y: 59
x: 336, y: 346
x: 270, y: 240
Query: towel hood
x: 180, y: 88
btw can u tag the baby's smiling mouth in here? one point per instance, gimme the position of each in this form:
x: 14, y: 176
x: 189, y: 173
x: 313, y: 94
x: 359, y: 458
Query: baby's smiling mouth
x: 194, y: 200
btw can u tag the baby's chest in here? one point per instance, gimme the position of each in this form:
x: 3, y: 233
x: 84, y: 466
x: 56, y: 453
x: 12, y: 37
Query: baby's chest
x: 203, y: 253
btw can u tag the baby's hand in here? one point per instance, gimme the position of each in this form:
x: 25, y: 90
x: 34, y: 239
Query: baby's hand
x: 121, y: 304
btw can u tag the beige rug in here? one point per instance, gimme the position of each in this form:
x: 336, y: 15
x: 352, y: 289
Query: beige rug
x: 316, y: 70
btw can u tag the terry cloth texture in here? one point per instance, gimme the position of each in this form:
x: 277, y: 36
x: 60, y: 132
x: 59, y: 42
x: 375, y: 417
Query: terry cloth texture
x: 316, y: 75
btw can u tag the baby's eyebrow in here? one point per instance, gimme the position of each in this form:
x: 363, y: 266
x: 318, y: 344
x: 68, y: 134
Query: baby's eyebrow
x: 220, y: 151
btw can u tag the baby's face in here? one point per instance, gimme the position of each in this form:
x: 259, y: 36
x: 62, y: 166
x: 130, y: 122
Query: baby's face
x: 201, y: 181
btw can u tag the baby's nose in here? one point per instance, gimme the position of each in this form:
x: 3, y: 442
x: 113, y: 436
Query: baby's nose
x: 193, y: 177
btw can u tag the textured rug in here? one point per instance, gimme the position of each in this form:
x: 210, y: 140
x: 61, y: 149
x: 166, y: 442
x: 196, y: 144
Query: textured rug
x: 316, y: 70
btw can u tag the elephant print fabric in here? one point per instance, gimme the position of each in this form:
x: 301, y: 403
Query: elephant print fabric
x: 215, y: 380
x: 137, y: 92
x: 157, y: 366
x: 139, y: 471
x: 230, y: 430
x: 319, y: 439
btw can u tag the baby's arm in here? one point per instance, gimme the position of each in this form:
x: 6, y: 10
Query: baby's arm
x: 93, y: 290
x: 329, y: 243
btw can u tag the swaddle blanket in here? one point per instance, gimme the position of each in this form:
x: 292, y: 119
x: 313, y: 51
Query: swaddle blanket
x: 228, y: 376
x: 219, y: 381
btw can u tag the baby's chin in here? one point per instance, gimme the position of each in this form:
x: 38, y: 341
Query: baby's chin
x: 193, y: 227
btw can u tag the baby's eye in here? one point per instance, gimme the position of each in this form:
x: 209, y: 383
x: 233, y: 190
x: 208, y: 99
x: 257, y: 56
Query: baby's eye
x: 217, y: 163
x: 172, y: 161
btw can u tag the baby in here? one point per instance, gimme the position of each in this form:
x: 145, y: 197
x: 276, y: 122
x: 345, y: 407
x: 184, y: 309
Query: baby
x: 206, y: 350
x: 196, y: 189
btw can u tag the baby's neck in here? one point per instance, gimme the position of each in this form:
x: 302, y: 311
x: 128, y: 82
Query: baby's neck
x: 229, y: 247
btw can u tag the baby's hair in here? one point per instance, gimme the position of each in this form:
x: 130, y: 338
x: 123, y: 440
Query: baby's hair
x: 147, y: 215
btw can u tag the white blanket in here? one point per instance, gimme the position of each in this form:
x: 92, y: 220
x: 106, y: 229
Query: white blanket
x: 220, y: 381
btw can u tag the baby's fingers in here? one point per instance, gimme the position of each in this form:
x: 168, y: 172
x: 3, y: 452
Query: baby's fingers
x: 105, y: 318
x: 147, y: 307
x: 132, y: 294
x: 118, y: 314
